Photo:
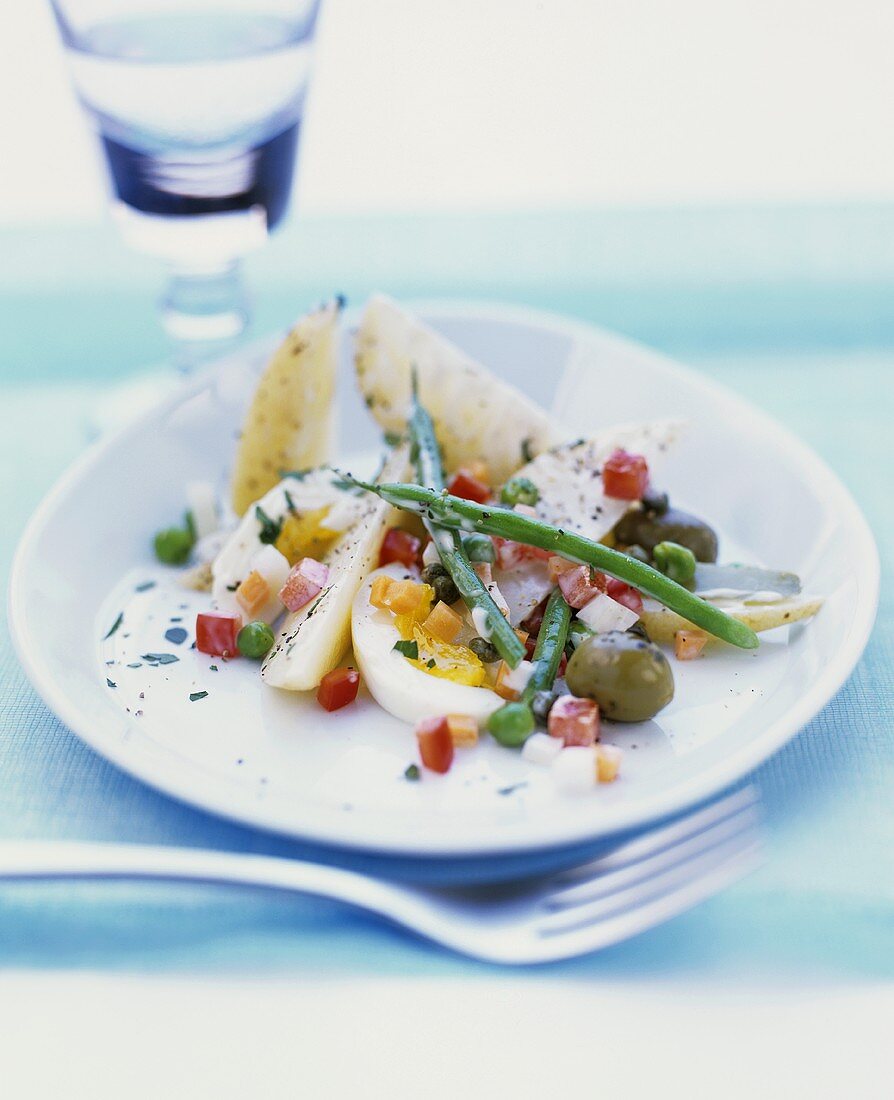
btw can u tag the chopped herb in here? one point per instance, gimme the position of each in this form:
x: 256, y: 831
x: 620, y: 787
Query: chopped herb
x: 233, y: 587
x: 195, y: 696
x: 392, y: 439
x: 213, y: 668
x: 345, y: 486
x: 413, y: 773
x: 512, y: 788
x: 159, y: 658
x: 290, y: 503
x: 145, y: 586
x: 114, y: 625
x: 316, y: 602
x: 430, y: 663
x: 408, y: 649
x: 297, y: 475
x: 189, y: 521
x: 135, y: 664
x: 176, y: 635
x: 526, y: 452
x: 369, y: 401
x: 176, y: 618
x: 270, y: 528
x: 111, y: 683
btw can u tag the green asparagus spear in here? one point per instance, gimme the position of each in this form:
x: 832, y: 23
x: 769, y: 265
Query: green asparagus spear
x: 427, y: 460
x: 466, y: 515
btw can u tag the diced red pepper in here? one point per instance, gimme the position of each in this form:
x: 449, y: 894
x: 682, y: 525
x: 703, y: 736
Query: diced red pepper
x: 534, y: 620
x: 400, y: 546
x: 625, y: 594
x: 625, y: 476
x: 338, y: 688
x: 575, y: 721
x: 307, y: 579
x: 580, y: 584
x: 216, y: 633
x: 464, y: 484
x: 435, y: 744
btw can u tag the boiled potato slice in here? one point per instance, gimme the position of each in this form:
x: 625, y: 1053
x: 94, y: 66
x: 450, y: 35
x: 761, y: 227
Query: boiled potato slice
x: 662, y: 624
x: 568, y: 476
x: 476, y: 415
x: 312, y: 640
x: 289, y: 424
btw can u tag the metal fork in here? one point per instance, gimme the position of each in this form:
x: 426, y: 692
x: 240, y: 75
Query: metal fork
x: 636, y: 886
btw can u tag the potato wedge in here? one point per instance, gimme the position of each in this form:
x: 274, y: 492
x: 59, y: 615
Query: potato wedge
x: 289, y: 424
x: 477, y: 416
x: 312, y: 641
x: 662, y: 624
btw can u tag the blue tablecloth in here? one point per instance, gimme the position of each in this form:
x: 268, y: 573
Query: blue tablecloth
x: 782, y: 306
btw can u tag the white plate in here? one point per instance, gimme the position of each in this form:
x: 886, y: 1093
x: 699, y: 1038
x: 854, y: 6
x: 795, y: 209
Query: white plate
x: 275, y: 760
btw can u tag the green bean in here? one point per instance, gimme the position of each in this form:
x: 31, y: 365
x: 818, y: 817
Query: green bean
x: 508, y: 724
x: 449, y: 543
x: 466, y: 515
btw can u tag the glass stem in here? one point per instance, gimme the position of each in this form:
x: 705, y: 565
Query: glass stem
x: 205, y: 311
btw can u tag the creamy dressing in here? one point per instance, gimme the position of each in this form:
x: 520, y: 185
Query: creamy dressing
x: 764, y: 597
x: 481, y: 622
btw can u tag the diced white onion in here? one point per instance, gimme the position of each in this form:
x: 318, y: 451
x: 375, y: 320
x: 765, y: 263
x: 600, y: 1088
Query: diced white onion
x: 540, y: 748
x: 517, y: 678
x: 574, y: 769
x: 602, y: 614
x: 274, y: 568
x: 430, y: 555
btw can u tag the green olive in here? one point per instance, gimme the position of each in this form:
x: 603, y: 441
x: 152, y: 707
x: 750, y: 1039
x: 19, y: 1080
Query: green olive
x: 629, y: 678
x: 647, y: 529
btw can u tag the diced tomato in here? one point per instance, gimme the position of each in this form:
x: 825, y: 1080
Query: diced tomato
x: 625, y: 476
x: 688, y: 644
x: 510, y: 554
x: 625, y: 594
x: 338, y: 688
x: 464, y: 484
x: 216, y: 633
x: 580, y: 584
x: 435, y: 744
x: 575, y: 721
x: 400, y: 546
x: 307, y: 579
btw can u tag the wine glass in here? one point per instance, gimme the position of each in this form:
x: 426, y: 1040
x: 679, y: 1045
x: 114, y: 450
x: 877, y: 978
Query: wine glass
x: 198, y: 107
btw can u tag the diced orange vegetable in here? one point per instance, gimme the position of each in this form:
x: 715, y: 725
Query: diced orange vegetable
x: 253, y: 593
x: 480, y: 470
x: 688, y: 644
x: 443, y: 623
x: 501, y: 687
x: 608, y: 763
x: 378, y: 593
x: 558, y: 566
x: 463, y: 730
x: 522, y: 635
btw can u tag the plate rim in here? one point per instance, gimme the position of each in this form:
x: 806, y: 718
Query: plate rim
x: 621, y: 817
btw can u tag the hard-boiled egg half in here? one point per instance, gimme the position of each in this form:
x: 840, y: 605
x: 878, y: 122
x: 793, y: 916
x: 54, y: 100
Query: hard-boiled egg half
x: 408, y: 693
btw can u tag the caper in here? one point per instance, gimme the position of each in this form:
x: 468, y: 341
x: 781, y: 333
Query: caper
x: 484, y: 650
x: 646, y: 529
x: 441, y: 581
x: 629, y: 678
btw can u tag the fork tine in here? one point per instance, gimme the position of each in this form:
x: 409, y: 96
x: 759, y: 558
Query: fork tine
x: 628, y: 874
x: 657, y: 840
x: 651, y: 912
x: 672, y: 877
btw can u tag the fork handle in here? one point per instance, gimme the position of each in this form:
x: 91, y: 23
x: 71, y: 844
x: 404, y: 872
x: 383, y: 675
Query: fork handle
x: 30, y: 860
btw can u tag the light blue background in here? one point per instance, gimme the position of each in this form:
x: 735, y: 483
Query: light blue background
x: 791, y: 307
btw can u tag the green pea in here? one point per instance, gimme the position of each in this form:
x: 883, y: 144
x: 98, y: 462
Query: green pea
x: 484, y: 650
x: 675, y: 561
x: 480, y: 548
x: 173, y: 545
x: 519, y: 490
x: 512, y: 724
x: 255, y: 640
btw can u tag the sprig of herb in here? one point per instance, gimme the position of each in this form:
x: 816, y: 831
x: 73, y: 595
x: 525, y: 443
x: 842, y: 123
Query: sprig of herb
x: 408, y: 649
x: 270, y: 528
x: 114, y: 626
